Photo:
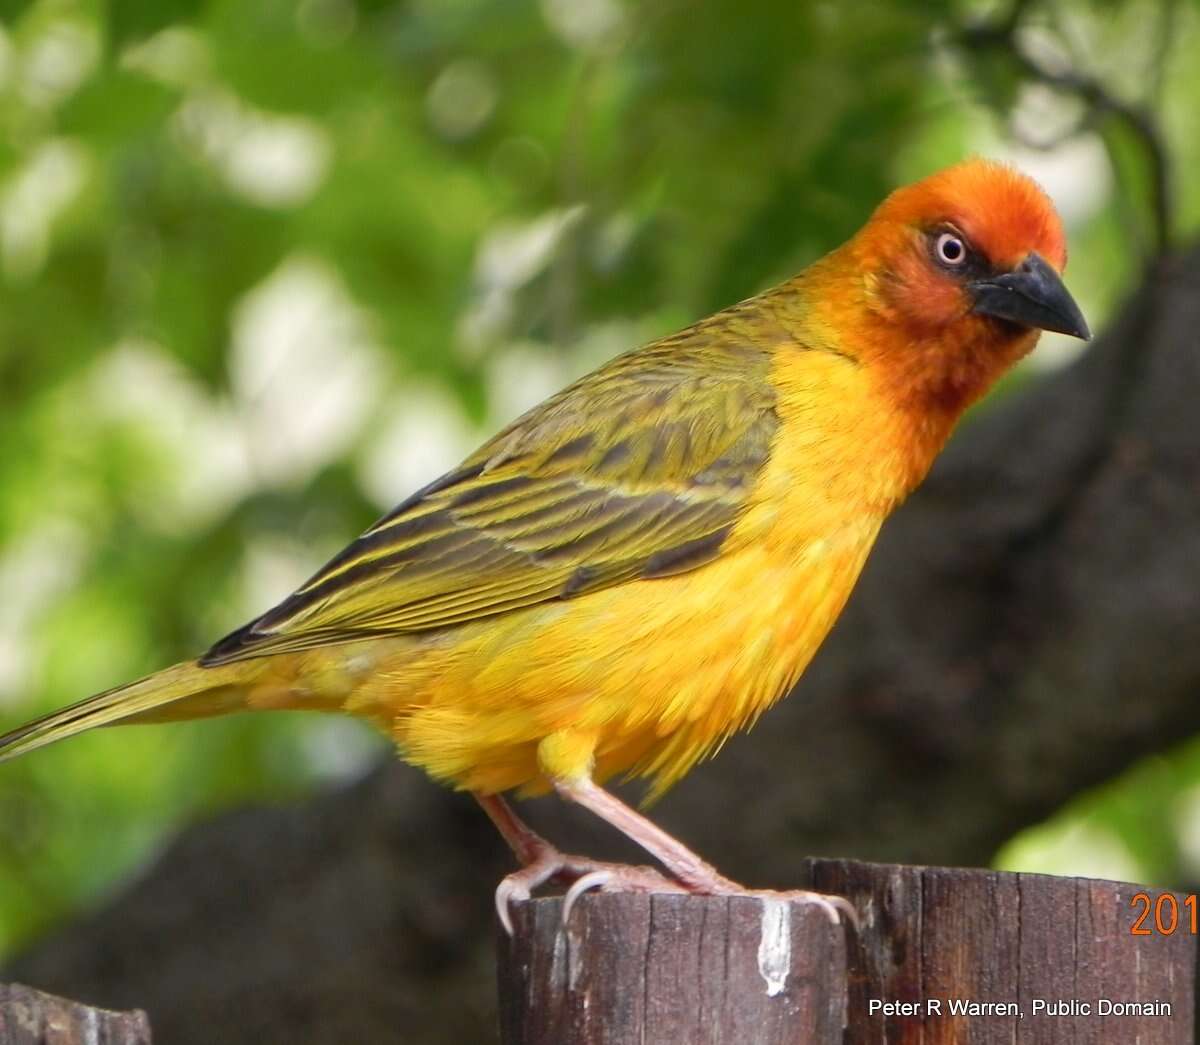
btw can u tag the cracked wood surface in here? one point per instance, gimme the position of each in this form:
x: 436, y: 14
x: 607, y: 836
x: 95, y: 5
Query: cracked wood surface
x: 958, y: 936
x: 1038, y: 955
x: 668, y: 968
x: 29, y: 1017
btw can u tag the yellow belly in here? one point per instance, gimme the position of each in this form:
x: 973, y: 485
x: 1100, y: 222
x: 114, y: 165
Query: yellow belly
x: 643, y: 679
x: 647, y: 677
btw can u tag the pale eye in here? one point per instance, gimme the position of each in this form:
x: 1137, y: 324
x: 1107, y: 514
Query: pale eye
x: 950, y: 249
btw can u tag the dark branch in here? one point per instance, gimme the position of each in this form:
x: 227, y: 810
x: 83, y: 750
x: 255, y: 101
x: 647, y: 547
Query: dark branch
x: 1003, y: 35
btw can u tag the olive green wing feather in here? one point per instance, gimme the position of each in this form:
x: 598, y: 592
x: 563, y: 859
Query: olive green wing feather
x: 638, y: 470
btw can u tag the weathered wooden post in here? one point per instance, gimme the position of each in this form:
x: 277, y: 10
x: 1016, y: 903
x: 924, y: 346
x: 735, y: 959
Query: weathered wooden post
x: 672, y: 968
x: 29, y: 1017
x: 946, y: 956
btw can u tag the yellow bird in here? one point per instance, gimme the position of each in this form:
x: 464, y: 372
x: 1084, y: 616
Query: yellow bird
x: 645, y: 562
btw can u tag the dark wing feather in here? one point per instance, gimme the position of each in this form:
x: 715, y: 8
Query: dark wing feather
x: 638, y: 470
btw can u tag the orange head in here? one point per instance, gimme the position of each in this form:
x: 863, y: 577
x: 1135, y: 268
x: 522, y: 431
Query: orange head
x: 952, y: 279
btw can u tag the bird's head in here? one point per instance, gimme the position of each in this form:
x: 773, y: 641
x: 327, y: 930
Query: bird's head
x: 959, y: 274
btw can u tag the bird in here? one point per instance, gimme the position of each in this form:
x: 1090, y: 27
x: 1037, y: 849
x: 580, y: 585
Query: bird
x: 641, y: 565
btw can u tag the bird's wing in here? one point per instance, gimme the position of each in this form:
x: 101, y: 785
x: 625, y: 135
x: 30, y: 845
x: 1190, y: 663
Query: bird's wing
x: 638, y: 470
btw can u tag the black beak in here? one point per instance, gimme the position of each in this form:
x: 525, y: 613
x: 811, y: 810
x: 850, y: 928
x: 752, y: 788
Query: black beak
x: 1032, y: 295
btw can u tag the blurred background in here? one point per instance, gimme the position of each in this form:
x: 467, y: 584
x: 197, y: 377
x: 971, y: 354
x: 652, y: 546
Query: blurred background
x: 266, y: 267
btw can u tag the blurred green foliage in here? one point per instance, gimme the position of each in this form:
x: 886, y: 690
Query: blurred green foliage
x: 266, y: 266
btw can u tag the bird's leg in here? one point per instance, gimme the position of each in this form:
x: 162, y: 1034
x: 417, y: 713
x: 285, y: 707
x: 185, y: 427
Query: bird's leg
x: 542, y: 862
x: 695, y: 874
x: 522, y: 839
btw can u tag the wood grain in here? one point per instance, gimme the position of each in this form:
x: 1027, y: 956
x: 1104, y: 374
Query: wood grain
x: 1037, y: 955
x: 670, y: 968
x: 29, y: 1017
x: 986, y: 936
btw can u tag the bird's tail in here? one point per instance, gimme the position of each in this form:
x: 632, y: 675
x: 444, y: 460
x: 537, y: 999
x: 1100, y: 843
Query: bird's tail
x: 183, y: 691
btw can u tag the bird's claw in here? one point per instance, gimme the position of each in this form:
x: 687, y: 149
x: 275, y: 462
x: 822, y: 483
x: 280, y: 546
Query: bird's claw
x: 584, y: 876
x: 834, y: 907
x: 619, y: 878
x: 506, y: 893
x: 840, y: 903
x: 592, y: 880
x: 520, y: 884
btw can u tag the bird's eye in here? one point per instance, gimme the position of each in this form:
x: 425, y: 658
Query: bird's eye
x: 950, y: 249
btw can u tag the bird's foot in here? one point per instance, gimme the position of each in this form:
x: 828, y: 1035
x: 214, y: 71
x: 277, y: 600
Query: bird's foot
x: 583, y: 874
x: 614, y: 878
x: 689, y: 871
x: 834, y: 907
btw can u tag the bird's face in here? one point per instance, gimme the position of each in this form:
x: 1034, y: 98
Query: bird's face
x: 970, y: 259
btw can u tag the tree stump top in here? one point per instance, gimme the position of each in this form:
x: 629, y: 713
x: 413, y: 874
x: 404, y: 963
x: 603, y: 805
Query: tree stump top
x: 945, y: 956
x: 29, y: 1017
x: 672, y: 968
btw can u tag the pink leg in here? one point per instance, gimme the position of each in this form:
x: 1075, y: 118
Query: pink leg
x: 698, y: 875
x: 685, y: 866
x: 541, y: 862
x: 527, y: 845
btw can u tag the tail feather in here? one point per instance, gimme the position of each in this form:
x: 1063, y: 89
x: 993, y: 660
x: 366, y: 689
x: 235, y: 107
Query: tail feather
x: 183, y: 691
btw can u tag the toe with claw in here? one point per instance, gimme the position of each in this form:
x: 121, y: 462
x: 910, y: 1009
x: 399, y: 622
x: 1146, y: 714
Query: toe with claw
x: 583, y: 875
x: 835, y: 908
